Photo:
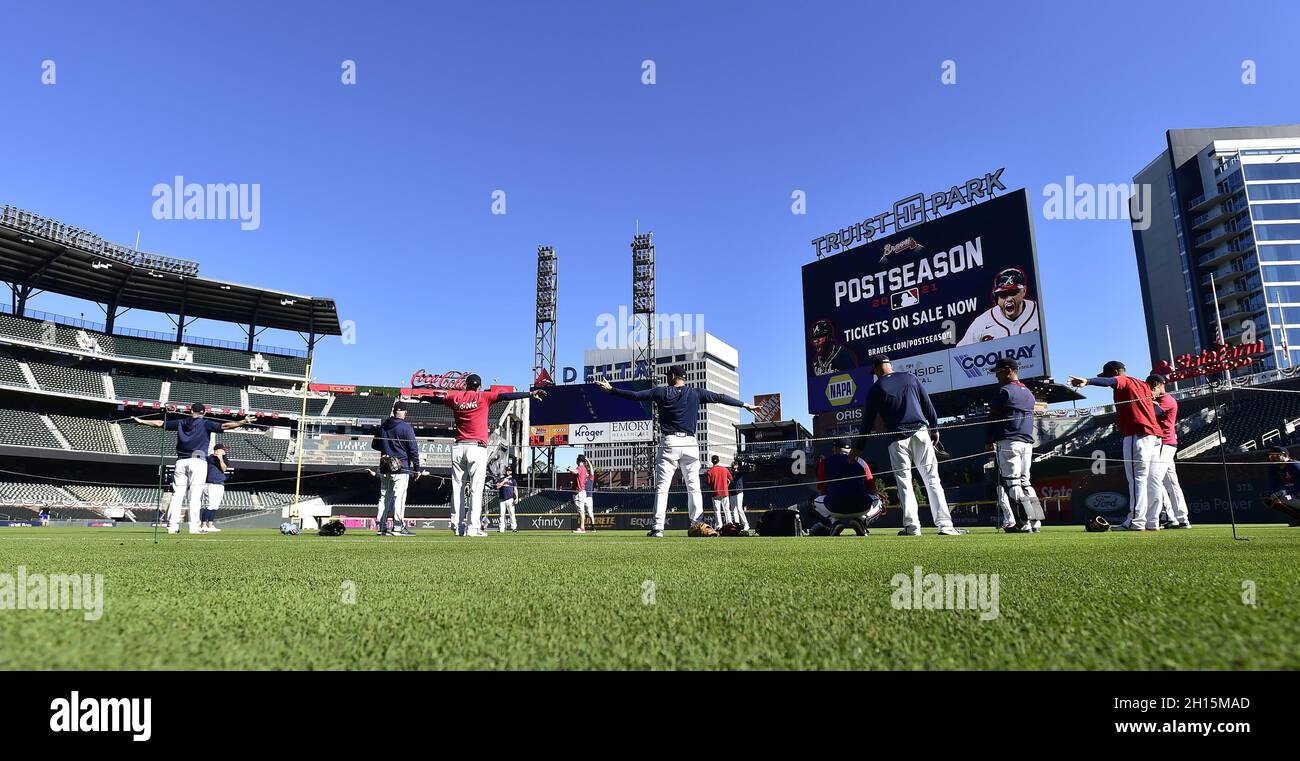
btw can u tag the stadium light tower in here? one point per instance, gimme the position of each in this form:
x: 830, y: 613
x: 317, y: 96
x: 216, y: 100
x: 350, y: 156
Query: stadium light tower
x: 548, y: 291
x: 643, y: 316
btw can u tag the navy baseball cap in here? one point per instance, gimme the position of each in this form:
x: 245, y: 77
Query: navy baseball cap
x: 1112, y: 366
x: 1006, y: 363
x: 198, y: 407
x: 1279, y: 450
x: 676, y: 371
x: 880, y: 359
x: 399, y: 406
x: 843, y: 443
x: 218, y: 445
x: 1155, y: 378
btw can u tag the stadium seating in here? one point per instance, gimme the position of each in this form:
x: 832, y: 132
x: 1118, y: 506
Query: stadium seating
x: 72, y: 380
x: 288, y: 365
x: 136, y: 389
x: 138, y: 495
x: 255, y: 446
x: 86, y: 434
x: 144, y: 441
x: 142, y: 348
x: 22, y: 492
x: 279, y: 499
x: 351, y: 406
x: 24, y: 428
x: 219, y: 357
x: 16, y: 327
x: 186, y: 393
x: 285, y: 405
x: 11, y: 374
x: 106, y: 495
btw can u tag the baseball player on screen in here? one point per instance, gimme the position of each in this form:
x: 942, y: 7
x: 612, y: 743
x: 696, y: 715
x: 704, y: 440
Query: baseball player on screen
x: 830, y: 355
x: 1011, y: 314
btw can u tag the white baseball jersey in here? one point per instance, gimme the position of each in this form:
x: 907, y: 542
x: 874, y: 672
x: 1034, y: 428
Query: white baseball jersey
x: 993, y: 324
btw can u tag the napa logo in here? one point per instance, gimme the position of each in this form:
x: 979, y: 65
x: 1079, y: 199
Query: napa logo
x: 840, y: 390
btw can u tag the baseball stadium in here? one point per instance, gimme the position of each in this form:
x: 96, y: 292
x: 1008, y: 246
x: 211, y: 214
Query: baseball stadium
x: 86, y: 480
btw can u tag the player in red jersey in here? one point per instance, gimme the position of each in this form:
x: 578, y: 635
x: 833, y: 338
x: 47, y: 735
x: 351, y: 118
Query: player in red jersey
x: 1135, y: 414
x: 469, y: 455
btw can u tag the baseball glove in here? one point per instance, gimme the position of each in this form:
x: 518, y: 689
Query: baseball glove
x: 700, y: 528
x: 730, y: 529
x: 1098, y: 524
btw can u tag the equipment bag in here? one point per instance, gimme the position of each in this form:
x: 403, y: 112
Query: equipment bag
x: 780, y: 523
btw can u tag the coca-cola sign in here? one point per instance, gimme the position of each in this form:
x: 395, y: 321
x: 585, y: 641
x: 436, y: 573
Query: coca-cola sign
x: 448, y: 381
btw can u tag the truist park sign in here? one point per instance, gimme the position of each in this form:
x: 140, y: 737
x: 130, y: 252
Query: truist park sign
x: 448, y: 381
x: 909, y: 212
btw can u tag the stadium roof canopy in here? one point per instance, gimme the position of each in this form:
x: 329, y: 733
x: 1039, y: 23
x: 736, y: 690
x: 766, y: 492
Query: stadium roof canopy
x: 41, y: 253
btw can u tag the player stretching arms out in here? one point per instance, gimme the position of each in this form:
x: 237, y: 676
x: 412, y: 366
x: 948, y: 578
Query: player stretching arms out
x: 678, y: 406
x: 1135, y: 413
x: 469, y: 455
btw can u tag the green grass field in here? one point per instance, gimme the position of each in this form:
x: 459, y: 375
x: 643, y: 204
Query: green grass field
x: 257, y: 600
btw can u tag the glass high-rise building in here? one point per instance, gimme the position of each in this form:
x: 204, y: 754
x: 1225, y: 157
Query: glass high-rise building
x: 1224, y: 209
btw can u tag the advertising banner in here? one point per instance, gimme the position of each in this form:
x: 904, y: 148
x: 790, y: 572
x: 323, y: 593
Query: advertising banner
x: 943, y: 299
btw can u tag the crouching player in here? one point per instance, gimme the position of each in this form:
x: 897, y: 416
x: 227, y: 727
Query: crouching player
x: 848, y: 494
x: 1284, y: 485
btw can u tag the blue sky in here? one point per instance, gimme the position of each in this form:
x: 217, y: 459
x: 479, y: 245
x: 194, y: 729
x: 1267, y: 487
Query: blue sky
x: 379, y: 194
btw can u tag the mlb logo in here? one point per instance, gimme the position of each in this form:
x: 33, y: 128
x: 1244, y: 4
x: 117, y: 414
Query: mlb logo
x: 904, y: 299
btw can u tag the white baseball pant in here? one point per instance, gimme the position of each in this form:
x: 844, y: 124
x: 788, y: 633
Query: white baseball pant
x: 738, y: 509
x: 917, y: 451
x: 1172, y: 498
x: 508, y: 514
x: 187, y: 483
x: 392, y: 500
x: 1014, y: 459
x: 721, y: 511
x: 468, y: 471
x: 1141, y: 466
x: 215, y: 493
x: 678, y: 451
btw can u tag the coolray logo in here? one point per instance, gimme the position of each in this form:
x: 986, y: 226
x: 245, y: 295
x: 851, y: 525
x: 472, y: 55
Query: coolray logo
x: 78, y: 714
x: 840, y: 390
x: 64, y: 591
x: 977, y: 365
x: 952, y: 591
x: 548, y: 522
x: 194, y: 200
x: 589, y: 434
